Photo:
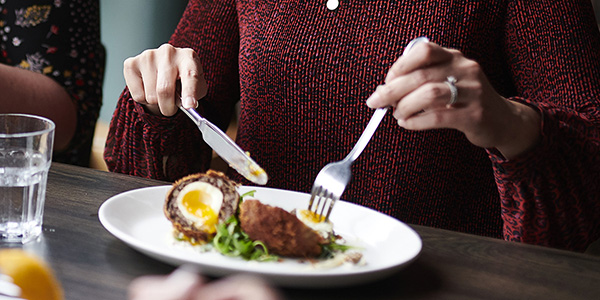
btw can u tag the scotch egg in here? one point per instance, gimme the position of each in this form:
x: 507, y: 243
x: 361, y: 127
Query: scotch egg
x: 198, y: 202
x: 281, y: 231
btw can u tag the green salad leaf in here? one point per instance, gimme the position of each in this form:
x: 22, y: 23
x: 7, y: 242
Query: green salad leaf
x: 333, y: 247
x: 230, y: 240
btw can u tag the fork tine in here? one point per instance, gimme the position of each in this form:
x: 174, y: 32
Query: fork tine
x: 320, y: 196
x: 315, y: 190
x: 334, y: 199
x: 327, y: 196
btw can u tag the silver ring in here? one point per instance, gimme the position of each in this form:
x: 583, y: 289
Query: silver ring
x: 451, y: 82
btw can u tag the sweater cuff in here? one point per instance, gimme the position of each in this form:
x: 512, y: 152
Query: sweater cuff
x: 535, y: 156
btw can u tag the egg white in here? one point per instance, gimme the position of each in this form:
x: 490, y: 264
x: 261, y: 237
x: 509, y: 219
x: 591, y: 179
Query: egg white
x: 324, y: 228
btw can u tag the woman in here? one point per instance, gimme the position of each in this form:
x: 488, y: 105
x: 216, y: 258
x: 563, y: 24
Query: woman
x: 495, y: 127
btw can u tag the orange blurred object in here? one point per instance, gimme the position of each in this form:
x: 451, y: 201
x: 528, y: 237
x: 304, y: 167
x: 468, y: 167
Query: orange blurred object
x: 31, y: 274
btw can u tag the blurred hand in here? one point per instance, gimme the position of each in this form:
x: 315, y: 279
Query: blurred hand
x: 153, y: 75
x: 183, y: 284
x: 417, y: 89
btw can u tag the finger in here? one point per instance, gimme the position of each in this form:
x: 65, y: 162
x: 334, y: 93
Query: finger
x: 158, y: 288
x: 237, y: 287
x: 133, y: 80
x: 145, y: 64
x: 179, y: 285
x: 165, y: 89
x: 422, y: 55
x: 149, y: 82
x: 430, y: 96
x: 143, y: 287
x: 392, y: 92
x: 166, y: 78
x: 432, y: 119
x: 193, y: 84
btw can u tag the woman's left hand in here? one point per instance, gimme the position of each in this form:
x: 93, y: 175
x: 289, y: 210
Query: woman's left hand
x: 434, y: 87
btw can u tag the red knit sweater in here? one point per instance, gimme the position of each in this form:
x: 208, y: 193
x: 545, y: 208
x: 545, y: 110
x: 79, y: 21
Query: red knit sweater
x: 303, y: 73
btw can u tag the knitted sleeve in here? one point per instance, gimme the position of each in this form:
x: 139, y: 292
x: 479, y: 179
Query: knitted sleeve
x: 551, y: 195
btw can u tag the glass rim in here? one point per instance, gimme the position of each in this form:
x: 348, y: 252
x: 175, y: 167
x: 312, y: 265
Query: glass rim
x: 50, y: 128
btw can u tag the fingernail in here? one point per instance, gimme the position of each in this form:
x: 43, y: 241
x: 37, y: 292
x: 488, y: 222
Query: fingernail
x: 401, y: 122
x: 190, y: 102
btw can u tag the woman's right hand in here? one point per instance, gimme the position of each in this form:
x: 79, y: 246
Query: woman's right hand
x: 153, y: 75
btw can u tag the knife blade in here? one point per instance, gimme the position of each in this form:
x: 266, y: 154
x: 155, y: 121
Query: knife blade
x: 227, y: 148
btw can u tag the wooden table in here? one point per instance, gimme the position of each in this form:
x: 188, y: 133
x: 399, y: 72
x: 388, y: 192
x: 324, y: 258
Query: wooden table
x: 92, y: 264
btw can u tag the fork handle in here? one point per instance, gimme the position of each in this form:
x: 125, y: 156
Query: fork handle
x: 378, y: 115
x: 365, y: 137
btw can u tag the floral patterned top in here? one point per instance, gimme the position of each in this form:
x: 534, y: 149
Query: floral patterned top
x: 60, y: 39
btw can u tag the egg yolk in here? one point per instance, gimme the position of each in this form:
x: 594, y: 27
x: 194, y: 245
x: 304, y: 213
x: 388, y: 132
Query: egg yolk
x: 192, y: 202
x: 311, y: 216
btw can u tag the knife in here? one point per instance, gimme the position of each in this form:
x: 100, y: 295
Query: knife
x: 227, y: 149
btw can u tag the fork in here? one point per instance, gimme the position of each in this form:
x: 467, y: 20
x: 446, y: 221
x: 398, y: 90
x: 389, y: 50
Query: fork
x: 335, y: 176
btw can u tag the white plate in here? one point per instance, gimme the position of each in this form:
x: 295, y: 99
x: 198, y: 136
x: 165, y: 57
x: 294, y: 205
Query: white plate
x: 136, y: 218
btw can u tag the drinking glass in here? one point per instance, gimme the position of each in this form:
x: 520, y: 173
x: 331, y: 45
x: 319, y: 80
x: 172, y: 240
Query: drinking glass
x: 25, y: 157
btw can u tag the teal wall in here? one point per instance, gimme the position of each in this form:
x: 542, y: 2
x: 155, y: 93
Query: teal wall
x: 128, y: 27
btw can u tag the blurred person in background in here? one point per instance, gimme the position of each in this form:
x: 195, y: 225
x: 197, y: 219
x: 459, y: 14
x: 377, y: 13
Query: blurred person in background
x: 52, y: 65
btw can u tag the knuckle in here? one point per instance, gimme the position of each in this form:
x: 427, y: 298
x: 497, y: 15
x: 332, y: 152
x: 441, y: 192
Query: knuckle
x: 471, y: 68
x: 435, y: 91
x: 456, y: 53
x: 189, y: 52
x: 147, y: 58
x: 166, y: 47
x: 426, y: 50
x: 385, y: 91
x: 397, y: 112
x: 164, y: 88
x: 151, y: 99
x: 137, y: 96
x: 420, y: 77
x: 128, y: 63
x: 165, y: 51
x: 187, y: 55
x: 163, y: 91
x: 129, y: 71
x: 191, y: 73
x: 146, y: 54
x: 396, y: 68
